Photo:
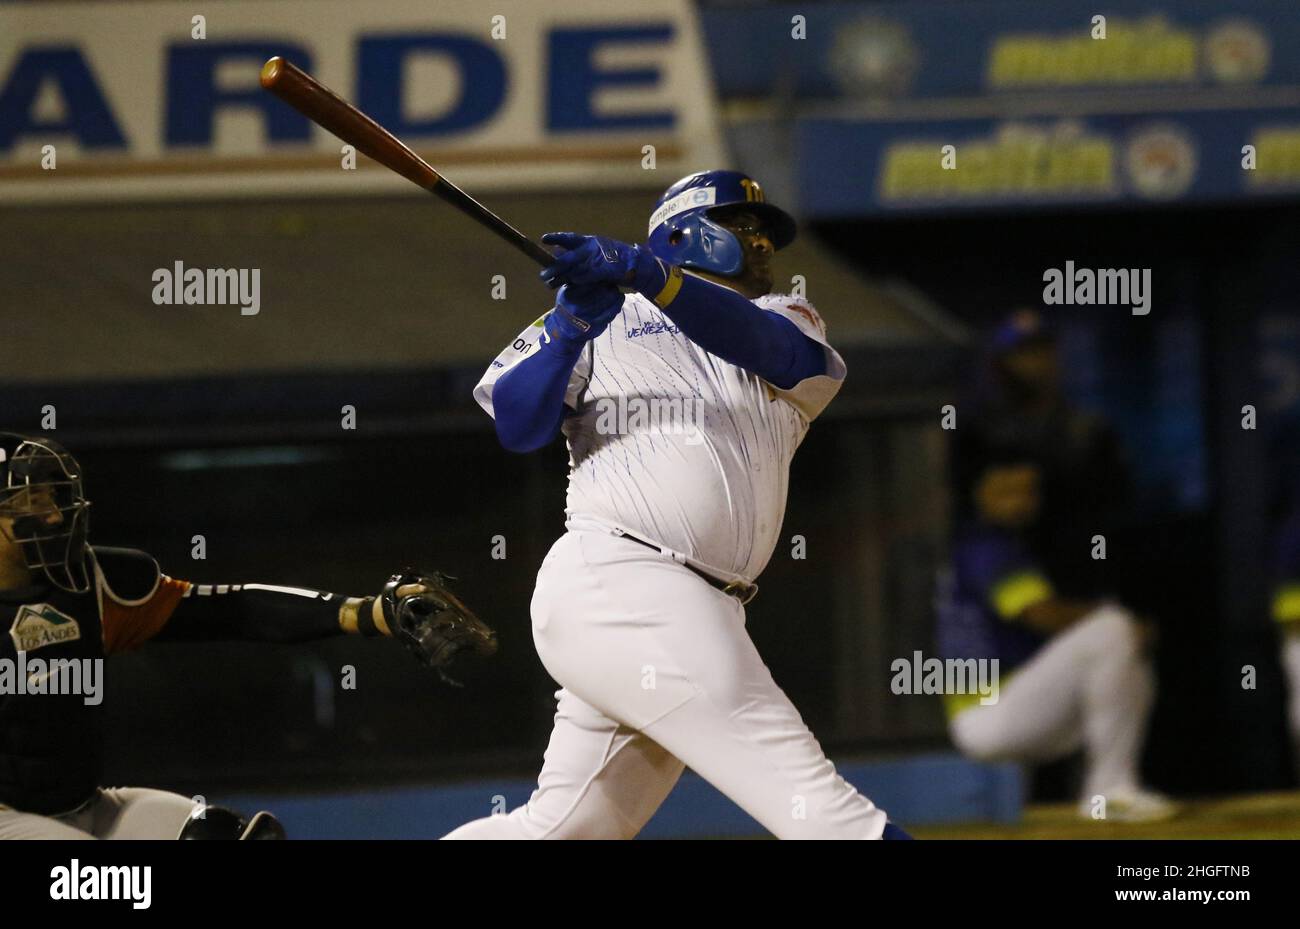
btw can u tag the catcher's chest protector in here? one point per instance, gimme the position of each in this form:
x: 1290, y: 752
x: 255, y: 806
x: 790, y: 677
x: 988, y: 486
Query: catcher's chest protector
x: 50, y: 744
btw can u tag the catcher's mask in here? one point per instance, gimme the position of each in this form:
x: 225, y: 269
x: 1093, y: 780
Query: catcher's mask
x: 41, y: 492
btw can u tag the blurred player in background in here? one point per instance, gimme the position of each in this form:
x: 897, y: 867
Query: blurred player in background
x: 64, y: 601
x: 1020, y: 413
x: 1072, y: 667
x: 1285, y: 606
x: 639, y: 608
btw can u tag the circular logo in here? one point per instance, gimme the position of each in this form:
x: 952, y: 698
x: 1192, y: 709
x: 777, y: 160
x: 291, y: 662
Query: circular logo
x: 872, y: 56
x: 1237, y: 51
x: 1160, y: 161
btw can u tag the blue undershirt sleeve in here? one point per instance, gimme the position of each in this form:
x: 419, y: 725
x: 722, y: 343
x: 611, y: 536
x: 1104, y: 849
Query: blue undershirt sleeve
x: 528, y: 400
x: 725, y: 323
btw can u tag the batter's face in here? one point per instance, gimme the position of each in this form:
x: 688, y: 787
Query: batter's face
x: 755, y: 278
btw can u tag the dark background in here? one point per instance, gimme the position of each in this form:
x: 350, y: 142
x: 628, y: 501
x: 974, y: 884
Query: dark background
x: 291, y: 499
x: 195, y: 421
x: 1195, y: 550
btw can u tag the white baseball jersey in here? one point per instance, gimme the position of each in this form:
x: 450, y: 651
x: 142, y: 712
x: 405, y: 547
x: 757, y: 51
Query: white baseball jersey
x: 676, y: 446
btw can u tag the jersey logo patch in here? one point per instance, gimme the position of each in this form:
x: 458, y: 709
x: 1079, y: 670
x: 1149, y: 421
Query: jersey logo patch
x: 39, y: 624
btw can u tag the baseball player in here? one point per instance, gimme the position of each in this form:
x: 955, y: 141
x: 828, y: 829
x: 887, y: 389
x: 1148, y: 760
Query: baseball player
x: 1019, y: 410
x: 1285, y: 609
x: 682, y: 403
x: 66, y: 603
x: 1071, y: 673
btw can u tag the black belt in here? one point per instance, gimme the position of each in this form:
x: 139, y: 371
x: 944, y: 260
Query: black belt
x: 741, y: 591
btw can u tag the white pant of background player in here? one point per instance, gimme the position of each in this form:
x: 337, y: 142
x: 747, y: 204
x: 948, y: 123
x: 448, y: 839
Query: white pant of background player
x: 1089, y: 687
x: 658, y: 673
x: 1291, y: 665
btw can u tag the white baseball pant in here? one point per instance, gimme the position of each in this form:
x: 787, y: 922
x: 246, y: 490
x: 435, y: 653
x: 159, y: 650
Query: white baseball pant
x: 113, y: 813
x: 1291, y: 667
x: 1089, y: 686
x: 658, y: 673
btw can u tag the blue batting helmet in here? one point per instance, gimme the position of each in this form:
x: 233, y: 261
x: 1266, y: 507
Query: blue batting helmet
x: 683, y: 230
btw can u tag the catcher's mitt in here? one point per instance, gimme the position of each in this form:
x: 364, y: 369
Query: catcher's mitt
x: 433, y: 623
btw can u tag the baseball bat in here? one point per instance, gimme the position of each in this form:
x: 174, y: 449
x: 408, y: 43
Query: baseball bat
x: 327, y: 109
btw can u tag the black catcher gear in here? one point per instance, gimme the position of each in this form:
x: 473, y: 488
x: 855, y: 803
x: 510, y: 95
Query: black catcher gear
x: 43, y: 508
x: 433, y: 623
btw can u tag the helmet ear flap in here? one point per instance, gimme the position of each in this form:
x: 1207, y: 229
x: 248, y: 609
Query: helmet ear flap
x: 713, y: 247
x: 696, y: 241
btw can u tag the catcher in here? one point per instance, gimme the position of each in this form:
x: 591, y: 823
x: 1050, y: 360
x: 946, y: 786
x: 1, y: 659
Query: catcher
x: 67, y: 604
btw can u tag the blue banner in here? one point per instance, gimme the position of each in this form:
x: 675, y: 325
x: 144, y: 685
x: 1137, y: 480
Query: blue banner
x: 906, y: 166
x: 921, y: 50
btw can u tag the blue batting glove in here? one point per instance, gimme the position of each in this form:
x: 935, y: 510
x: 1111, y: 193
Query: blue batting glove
x: 582, y: 311
x: 590, y: 259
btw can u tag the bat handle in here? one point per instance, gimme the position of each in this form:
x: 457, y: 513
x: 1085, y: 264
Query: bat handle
x: 466, y: 204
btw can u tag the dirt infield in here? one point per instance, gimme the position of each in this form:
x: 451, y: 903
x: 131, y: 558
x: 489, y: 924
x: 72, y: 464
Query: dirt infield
x: 1254, y: 816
